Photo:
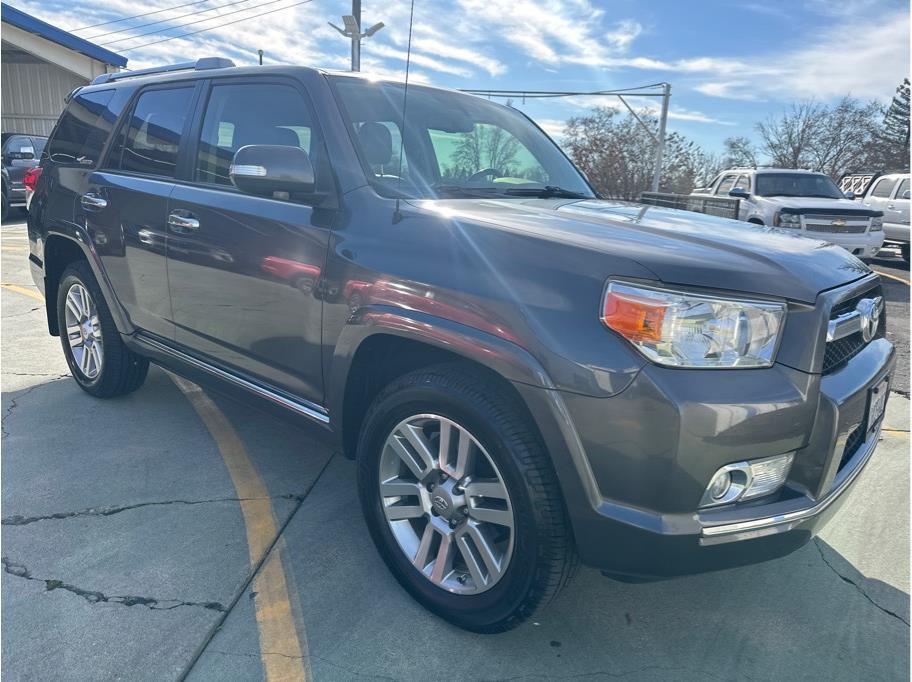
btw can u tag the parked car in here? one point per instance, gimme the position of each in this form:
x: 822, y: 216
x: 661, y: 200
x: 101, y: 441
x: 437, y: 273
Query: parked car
x: 890, y: 194
x: 19, y: 153
x: 527, y: 376
x: 804, y: 201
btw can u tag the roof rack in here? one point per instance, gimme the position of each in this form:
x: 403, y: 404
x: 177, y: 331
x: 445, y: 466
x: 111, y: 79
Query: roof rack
x: 203, y: 64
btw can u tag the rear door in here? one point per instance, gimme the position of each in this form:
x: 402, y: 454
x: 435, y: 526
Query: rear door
x: 245, y: 270
x: 126, y: 203
x: 880, y: 194
x: 899, y: 206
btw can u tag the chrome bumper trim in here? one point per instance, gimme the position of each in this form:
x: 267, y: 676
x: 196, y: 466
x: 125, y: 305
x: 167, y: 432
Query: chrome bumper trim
x: 860, y: 459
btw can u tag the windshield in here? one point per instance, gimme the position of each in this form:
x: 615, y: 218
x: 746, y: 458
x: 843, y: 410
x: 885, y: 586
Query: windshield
x: 796, y: 185
x: 455, y: 145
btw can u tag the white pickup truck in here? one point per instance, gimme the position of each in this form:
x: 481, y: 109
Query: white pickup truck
x: 802, y: 200
x: 890, y: 194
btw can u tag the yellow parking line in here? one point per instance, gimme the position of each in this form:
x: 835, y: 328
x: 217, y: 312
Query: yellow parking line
x: 282, y: 651
x: 25, y: 291
x: 16, y: 249
x: 887, y: 274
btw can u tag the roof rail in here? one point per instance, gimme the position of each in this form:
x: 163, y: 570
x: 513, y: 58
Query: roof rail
x: 199, y: 65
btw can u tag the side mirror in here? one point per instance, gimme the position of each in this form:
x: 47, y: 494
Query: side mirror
x: 907, y: 194
x: 739, y: 193
x: 265, y: 169
x: 849, y: 195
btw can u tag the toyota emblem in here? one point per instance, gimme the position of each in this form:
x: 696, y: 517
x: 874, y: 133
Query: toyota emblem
x: 869, y: 313
x: 440, y: 504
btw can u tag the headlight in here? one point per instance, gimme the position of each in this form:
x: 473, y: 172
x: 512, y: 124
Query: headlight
x: 792, y: 220
x: 877, y: 224
x: 690, y: 330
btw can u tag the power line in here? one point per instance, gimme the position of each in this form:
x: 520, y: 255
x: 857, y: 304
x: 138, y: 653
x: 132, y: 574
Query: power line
x: 164, y: 21
x: 203, y: 30
x: 191, y: 23
x: 139, y: 16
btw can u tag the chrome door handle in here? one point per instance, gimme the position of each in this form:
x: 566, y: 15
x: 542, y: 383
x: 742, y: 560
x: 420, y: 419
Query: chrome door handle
x: 92, y: 202
x: 890, y: 206
x: 182, y: 222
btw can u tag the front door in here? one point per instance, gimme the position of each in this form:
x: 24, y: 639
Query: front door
x: 245, y: 270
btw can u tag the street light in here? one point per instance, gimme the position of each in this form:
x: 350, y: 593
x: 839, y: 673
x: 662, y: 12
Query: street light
x: 353, y: 30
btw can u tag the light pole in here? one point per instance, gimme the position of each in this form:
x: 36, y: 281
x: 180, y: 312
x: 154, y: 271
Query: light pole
x: 660, y: 143
x: 352, y: 23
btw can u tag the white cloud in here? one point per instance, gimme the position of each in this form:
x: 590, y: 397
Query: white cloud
x: 554, y: 127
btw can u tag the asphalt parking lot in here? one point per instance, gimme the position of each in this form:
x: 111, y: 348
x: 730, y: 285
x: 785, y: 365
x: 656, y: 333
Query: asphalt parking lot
x: 174, y: 533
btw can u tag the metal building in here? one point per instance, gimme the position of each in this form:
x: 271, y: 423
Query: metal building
x: 41, y: 64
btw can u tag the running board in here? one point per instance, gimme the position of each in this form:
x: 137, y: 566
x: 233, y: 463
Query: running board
x: 297, y: 405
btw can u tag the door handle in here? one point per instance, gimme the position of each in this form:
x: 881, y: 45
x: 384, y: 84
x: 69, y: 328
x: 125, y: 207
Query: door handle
x: 92, y: 202
x: 891, y: 206
x: 182, y: 222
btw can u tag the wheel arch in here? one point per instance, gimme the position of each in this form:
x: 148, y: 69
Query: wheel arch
x: 383, y: 344
x: 61, y: 249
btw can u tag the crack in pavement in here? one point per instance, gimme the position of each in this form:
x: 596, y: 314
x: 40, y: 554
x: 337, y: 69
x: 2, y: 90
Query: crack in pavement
x: 94, y: 597
x: 17, y: 520
x: 14, y: 403
x: 858, y: 587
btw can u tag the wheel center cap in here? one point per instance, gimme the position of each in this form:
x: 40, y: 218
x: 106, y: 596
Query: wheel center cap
x: 446, y: 502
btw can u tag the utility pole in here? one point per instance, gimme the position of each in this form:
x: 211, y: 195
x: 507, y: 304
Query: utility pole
x: 356, y: 36
x: 352, y: 23
x: 660, y: 143
x: 260, y: 53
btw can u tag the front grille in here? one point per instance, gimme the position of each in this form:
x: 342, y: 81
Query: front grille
x: 842, y: 350
x: 854, y: 441
x: 825, y: 224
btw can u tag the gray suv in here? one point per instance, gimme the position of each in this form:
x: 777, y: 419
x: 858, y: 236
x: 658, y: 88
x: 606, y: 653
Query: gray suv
x: 527, y: 376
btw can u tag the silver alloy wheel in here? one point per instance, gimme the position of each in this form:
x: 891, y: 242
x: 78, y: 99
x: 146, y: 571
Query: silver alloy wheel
x: 446, y: 504
x: 84, y: 331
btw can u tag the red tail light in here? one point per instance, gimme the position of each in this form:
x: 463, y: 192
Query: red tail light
x: 31, y: 178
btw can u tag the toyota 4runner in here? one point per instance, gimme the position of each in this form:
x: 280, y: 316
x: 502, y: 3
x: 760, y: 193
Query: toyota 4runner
x: 526, y: 375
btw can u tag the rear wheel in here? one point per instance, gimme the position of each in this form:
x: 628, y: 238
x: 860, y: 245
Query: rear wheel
x: 461, y: 499
x: 4, y: 208
x: 98, y: 359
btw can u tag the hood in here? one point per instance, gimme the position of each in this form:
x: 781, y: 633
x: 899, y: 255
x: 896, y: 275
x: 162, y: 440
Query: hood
x: 817, y: 204
x: 679, y: 247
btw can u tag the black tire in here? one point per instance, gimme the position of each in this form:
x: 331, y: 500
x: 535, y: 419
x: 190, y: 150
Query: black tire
x: 122, y: 371
x: 904, y: 250
x: 544, y: 556
x: 4, y: 208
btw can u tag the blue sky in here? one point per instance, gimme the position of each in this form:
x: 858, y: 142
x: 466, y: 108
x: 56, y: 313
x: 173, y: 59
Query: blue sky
x: 730, y: 63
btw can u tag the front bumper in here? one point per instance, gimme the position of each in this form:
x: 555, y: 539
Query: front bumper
x: 864, y: 245
x: 646, y: 455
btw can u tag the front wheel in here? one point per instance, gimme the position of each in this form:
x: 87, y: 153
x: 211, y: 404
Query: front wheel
x: 98, y: 359
x: 461, y: 499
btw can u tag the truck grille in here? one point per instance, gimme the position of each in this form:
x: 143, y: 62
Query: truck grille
x: 842, y: 350
x: 836, y: 224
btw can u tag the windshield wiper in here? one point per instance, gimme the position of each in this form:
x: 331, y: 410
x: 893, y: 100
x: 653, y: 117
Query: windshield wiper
x: 546, y: 192
x: 464, y: 191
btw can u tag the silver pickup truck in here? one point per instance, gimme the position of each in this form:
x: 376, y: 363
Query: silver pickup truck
x: 890, y: 194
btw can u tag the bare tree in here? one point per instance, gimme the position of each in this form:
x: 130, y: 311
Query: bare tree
x: 788, y: 138
x: 739, y: 151
x: 617, y: 154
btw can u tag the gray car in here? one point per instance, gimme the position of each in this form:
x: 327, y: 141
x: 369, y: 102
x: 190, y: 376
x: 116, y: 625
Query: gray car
x: 20, y: 153
x: 528, y: 376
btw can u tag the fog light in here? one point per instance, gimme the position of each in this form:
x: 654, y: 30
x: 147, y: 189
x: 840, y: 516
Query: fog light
x: 747, y: 480
x: 719, y: 485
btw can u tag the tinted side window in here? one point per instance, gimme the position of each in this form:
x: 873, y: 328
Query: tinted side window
x: 903, y: 188
x: 83, y: 129
x: 727, y: 183
x: 150, y: 140
x: 883, y: 188
x: 241, y: 114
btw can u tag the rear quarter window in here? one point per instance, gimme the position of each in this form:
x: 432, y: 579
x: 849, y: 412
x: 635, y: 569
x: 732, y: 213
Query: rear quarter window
x: 83, y: 129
